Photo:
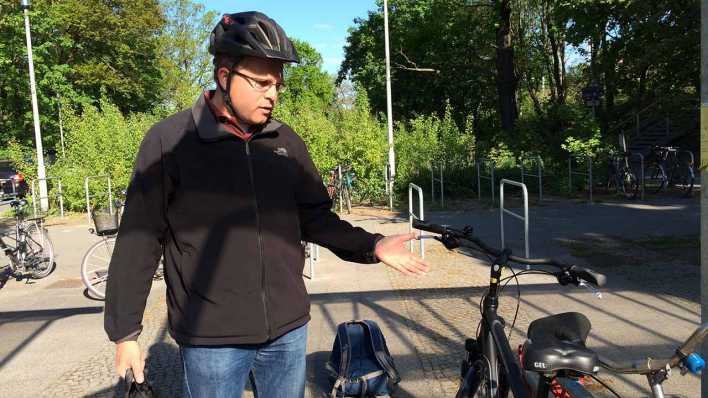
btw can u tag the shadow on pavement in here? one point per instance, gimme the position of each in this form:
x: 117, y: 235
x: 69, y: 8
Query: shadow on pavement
x: 46, y: 317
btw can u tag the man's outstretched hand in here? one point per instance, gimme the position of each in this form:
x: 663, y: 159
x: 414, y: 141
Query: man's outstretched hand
x: 393, y: 252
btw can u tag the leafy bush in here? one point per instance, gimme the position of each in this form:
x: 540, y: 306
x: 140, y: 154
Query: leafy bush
x: 99, y: 142
x: 429, y: 139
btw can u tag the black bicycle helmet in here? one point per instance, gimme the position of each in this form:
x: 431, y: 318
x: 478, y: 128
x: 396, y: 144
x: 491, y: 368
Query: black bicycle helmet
x: 251, y: 34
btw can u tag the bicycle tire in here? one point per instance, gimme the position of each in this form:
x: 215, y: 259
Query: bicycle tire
x: 660, y: 175
x: 683, y: 178
x: 475, y: 384
x: 630, y: 186
x: 94, y: 267
x: 40, y: 251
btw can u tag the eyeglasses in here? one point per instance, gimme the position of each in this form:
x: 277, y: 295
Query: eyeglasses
x: 261, y: 85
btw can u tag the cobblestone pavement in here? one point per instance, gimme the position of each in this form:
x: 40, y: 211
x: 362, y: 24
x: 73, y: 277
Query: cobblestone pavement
x: 426, y: 320
x: 95, y: 377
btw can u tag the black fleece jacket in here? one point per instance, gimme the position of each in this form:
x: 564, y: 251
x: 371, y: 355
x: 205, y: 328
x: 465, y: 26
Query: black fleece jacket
x: 228, y: 215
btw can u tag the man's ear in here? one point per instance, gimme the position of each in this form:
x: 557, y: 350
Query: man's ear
x: 222, y: 75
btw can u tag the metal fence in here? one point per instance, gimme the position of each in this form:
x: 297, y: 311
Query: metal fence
x: 59, y: 194
x: 479, y: 163
x: 440, y: 180
x: 538, y: 175
x: 587, y: 175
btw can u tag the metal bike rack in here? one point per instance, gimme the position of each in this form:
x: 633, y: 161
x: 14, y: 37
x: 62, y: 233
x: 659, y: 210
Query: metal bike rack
x: 411, y: 215
x: 339, y: 190
x: 588, y: 175
x: 489, y: 177
x: 641, y: 173
x: 88, y: 194
x: 59, y: 194
x: 441, y: 180
x: 539, y: 173
x: 314, y: 257
x: 524, y: 218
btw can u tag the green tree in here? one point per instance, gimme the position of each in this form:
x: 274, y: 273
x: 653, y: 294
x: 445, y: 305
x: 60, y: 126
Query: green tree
x: 307, y: 81
x: 440, y: 50
x: 186, y: 63
x: 82, y: 50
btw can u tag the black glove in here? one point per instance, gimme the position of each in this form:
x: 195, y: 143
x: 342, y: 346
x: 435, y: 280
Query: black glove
x: 135, y: 390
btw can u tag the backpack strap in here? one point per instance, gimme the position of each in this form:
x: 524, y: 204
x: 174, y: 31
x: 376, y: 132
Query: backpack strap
x: 381, y: 350
x: 345, y: 353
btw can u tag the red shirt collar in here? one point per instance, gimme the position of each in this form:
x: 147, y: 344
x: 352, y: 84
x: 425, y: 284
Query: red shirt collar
x: 225, y: 118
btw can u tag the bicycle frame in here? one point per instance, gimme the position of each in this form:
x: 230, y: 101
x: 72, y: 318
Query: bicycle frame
x: 16, y: 253
x: 494, y: 343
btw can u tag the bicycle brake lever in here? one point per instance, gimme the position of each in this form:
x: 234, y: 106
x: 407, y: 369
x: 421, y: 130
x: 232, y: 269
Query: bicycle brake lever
x: 595, y: 292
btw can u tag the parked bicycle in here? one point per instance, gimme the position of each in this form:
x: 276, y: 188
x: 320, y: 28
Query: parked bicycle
x: 672, y: 170
x: 340, y: 185
x: 28, y: 247
x: 94, y: 266
x: 620, y: 177
x: 491, y: 368
x: 554, y: 360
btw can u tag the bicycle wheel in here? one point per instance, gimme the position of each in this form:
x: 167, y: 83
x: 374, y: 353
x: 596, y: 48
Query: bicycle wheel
x: 94, y: 267
x: 630, y: 185
x: 683, y: 178
x: 39, y: 251
x: 661, y: 176
x: 476, y: 383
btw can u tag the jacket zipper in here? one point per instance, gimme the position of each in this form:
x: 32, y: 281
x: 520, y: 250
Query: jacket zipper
x: 260, y: 243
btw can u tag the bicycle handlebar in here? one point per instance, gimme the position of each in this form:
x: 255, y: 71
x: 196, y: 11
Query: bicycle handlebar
x: 568, y: 272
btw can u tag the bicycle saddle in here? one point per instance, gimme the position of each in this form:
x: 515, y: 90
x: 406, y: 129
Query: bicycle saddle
x: 557, y: 342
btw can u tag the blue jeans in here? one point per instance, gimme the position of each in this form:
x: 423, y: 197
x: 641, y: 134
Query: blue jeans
x: 278, y: 368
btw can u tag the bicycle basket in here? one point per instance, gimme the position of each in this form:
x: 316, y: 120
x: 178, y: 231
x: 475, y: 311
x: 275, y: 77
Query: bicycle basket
x: 106, y: 222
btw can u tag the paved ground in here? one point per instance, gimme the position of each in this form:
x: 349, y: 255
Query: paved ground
x: 53, y: 343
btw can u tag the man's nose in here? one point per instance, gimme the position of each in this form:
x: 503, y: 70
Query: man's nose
x: 272, y: 93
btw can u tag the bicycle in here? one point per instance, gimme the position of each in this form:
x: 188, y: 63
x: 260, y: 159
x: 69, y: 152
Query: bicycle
x: 620, y: 176
x: 32, y: 251
x: 554, y: 358
x: 340, y: 186
x: 671, y: 171
x: 96, y: 260
x: 491, y: 368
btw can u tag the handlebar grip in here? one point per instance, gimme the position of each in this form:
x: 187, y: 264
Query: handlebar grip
x: 423, y: 226
x: 589, y: 275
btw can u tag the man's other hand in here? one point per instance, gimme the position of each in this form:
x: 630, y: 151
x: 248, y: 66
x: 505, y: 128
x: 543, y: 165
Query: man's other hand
x: 393, y: 252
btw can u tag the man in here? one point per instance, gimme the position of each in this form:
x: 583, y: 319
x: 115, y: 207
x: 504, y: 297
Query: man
x: 226, y: 194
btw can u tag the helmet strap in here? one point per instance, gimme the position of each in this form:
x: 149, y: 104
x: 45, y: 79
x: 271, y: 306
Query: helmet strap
x: 226, y: 94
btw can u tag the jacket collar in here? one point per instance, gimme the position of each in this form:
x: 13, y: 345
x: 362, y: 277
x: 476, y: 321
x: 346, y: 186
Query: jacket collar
x: 210, y: 130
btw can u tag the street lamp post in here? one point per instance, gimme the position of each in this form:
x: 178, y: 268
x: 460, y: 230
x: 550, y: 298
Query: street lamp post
x: 61, y: 127
x: 41, y: 174
x: 389, y: 115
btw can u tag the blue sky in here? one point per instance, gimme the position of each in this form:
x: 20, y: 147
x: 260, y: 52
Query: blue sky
x: 323, y: 24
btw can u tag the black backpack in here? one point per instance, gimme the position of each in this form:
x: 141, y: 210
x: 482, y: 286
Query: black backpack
x: 360, y: 364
